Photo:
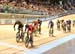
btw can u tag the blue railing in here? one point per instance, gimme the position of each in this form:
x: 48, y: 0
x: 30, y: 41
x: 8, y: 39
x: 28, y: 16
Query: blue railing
x: 51, y: 17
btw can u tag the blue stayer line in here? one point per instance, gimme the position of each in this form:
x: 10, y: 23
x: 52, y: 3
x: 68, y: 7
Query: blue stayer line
x: 43, y: 48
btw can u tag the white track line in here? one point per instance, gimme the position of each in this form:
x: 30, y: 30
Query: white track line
x: 12, y: 46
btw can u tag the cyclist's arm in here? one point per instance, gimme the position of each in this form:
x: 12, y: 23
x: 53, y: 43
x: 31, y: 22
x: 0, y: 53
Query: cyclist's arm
x: 14, y: 26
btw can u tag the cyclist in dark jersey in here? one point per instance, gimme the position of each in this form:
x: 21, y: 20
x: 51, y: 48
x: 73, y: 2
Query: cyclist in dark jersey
x: 64, y: 26
x: 51, y: 28
x: 58, y: 25
x: 20, y: 26
x: 62, y: 22
x: 39, y: 25
x: 68, y: 25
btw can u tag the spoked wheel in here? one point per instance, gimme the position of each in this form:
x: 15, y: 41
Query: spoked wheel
x: 17, y: 37
x: 26, y: 41
x: 22, y: 36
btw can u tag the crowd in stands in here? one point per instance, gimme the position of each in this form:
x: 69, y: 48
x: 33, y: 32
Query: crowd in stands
x: 6, y: 5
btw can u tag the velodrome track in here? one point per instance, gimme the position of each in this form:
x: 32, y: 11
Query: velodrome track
x: 8, y: 43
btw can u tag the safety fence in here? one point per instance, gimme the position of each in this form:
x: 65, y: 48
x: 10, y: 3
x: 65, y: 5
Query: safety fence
x: 6, y: 18
x: 27, y: 19
x: 51, y: 17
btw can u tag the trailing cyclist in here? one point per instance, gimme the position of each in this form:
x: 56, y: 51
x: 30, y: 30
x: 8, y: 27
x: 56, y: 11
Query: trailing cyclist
x: 68, y: 22
x: 39, y: 25
x: 73, y: 23
x: 35, y: 24
x: 63, y: 25
x: 58, y: 25
x: 51, y: 28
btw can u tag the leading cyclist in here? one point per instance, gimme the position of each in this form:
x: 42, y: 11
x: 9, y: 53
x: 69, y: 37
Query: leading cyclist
x: 20, y: 26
